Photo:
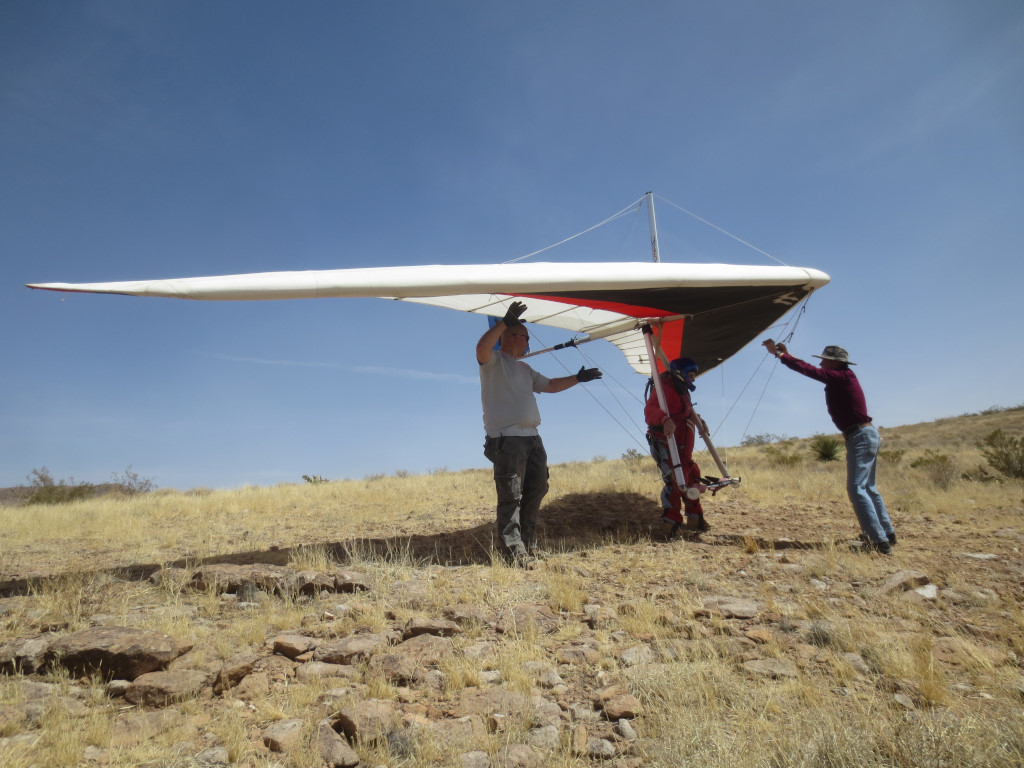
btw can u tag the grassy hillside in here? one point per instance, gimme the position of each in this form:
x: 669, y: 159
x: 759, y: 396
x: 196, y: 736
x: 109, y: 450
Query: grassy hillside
x: 844, y: 658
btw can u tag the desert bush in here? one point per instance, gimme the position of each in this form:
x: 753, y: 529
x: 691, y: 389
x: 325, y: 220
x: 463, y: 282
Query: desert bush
x: 131, y: 483
x: 315, y: 479
x: 46, y: 490
x: 782, y: 456
x: 938, y: 467
x: 826, y: 447
x: 632, y: 454
x: 894, y: 456
x: 1004, y: 453
x: 764, y: 438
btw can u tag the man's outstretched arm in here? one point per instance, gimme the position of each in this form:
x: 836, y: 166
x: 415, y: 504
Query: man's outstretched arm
x: 563, y: 383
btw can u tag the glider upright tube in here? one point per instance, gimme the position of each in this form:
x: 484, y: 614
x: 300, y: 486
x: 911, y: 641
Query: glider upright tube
x: 673, y: 449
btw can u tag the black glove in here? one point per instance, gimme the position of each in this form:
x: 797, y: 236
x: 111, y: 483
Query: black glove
x: 515, y: 310
x: 588, y: 374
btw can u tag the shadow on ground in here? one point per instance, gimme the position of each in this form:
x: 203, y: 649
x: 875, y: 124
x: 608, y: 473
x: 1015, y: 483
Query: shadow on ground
x: 567, y: 524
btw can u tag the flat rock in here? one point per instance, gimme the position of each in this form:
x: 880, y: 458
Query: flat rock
x: 115, y: 652
x: 352, y: 581
x: 522, y: 617
x: 350, y: 650
x: 430, y: 626
x: 730, y: 607
x: 776, y: 669
x: 292, y: 645
x: 157, y: 689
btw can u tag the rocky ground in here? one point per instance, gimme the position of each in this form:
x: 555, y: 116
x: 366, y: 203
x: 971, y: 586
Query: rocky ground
x: 482, y: 665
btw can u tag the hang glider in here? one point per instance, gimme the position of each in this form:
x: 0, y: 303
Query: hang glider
x: 722, y: 307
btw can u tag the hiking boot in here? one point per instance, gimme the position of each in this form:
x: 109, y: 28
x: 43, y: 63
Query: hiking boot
x: 863, y: 538
x: 881, y: 547
x: 672, y: 517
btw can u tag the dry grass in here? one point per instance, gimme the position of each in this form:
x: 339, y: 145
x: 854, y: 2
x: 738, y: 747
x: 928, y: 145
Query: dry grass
x: 938, y: 682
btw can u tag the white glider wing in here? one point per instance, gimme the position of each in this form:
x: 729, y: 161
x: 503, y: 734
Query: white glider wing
x: 705, y: 311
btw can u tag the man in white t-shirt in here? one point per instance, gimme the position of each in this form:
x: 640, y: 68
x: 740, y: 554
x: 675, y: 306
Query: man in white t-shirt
x: 511, y: 418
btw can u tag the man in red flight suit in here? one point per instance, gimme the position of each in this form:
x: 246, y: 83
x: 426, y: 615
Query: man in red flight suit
x: 678, y: 424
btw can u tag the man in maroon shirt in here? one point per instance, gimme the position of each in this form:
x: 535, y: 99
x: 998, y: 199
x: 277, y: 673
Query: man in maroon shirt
x: 849, y: 411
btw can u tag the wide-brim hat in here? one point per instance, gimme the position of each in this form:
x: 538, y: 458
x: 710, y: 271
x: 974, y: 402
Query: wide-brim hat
x: 838, y: 354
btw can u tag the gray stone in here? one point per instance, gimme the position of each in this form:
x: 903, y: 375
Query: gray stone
x: 600, y: 749
x: 545, y: 738
x: 730, y: 607
x: 638, y: 654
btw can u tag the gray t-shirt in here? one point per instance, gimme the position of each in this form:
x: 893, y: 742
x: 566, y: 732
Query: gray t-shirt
x: 507, y: 389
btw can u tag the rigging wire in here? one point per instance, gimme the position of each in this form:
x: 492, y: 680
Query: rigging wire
x: 628, y: 209
x: 724, y: 232
x: 590, y: 393
x: 635, y: 207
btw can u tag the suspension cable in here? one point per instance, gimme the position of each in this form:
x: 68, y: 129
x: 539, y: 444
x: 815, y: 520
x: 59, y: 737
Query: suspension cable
x: 628, y: 209
x: 587, y: 359
x: 724, y: 232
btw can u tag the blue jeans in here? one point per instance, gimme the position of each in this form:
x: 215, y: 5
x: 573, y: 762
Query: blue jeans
x: 521, y: 480
x: 861, y: 463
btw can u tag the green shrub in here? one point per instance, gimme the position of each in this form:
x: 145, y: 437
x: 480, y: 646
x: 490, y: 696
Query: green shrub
x: 938, y: 467
x: 826, y: 447
x: 1004, y: 453
x: 632, y: 454
x: 315, y: 479
x: 895, y: 456
x: 781, y: 456
x: 46, y: 490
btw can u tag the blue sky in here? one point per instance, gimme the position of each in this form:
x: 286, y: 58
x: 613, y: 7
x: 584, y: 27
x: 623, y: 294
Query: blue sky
x: 881, y: 142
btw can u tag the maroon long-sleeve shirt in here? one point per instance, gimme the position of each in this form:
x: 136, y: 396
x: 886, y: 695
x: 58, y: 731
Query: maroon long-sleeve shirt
x: 843, y: 395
